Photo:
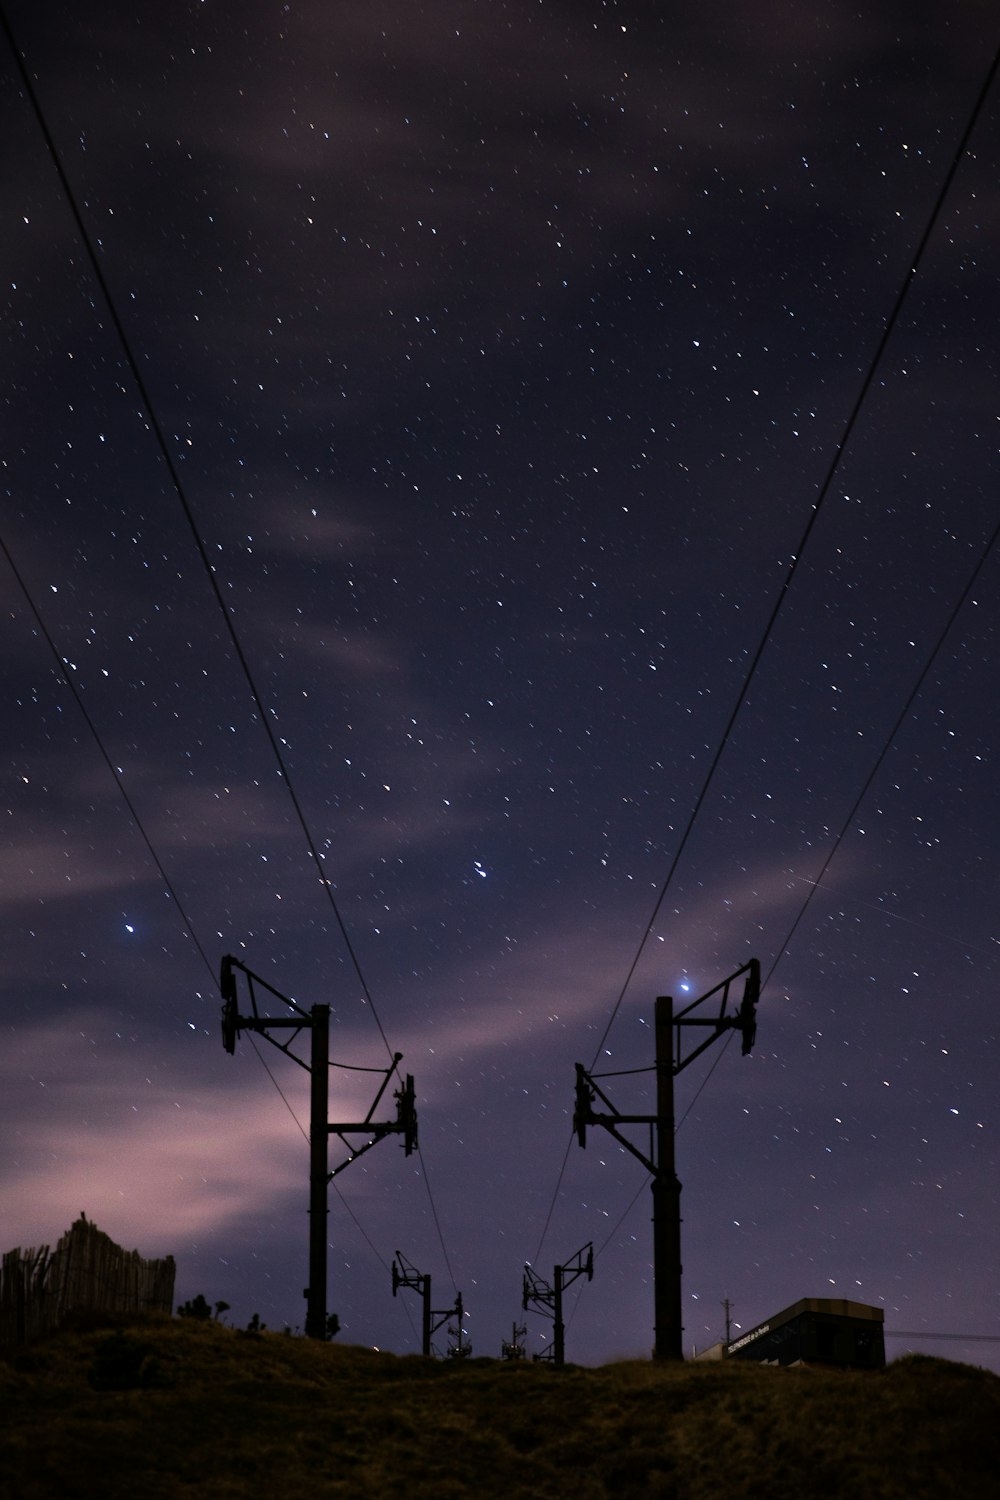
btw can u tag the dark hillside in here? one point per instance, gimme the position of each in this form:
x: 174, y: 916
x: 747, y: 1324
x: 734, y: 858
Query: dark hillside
x: 171, y: 1408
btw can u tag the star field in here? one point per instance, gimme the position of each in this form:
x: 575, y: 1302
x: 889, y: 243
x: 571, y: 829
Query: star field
x: 500, y: 353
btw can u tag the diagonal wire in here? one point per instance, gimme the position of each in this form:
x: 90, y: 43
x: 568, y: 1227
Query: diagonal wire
x: 437, y: 1222
x: 175, y: 479
x: 168, y: 885
x: 845, y: 828
x: 894, y: 731
x: 818, y: 504
x: 823, y: 495
x: 67, y: 677
x: 178, y: 487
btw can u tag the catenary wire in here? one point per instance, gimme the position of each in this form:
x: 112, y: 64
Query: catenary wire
x: 845, y: 828
x: 894, y: 731
x: 345, y: 1204
x: 841, y: 835
x: 317, y: 858
x: 168, y: 885
x: 178, y: 487
x: 816, y: 884
x: 824, y: 491
x: 67, y: 677
x: 818, y: 504
x: 952, y: 1338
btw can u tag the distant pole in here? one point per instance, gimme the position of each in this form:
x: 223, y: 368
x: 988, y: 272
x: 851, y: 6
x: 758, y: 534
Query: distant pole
x: 406, y: 1275
x: 549, y: 1299
x: 514, y: 1349
x: 668, y: 1332
x: 459, y: 1350
x: 319, y: 1136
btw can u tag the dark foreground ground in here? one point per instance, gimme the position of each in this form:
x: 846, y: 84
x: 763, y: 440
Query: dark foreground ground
x: 173, y: 1408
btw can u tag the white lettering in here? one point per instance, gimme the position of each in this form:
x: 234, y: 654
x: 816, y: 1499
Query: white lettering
x: 755, y: 1333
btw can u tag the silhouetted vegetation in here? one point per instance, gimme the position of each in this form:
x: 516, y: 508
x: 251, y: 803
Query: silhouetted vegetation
x: 166, y: 1408
x: 197, y: 1307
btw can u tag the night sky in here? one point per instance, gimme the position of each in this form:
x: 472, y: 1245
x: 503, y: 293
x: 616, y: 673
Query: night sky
x: 501, y: 350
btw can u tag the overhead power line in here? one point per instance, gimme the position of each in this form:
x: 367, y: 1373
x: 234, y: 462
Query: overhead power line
x: 820, y: 501
x: 893, y: 732
x: 178, y: 487
x: 169, y: 887
x: 848, y: 822
x: 951, y: 1338
x: 67, y: 677
x: 818, y: 504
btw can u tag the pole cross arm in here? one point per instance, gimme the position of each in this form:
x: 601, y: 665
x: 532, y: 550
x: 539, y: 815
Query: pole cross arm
x: 611, y: 1123
x: 406, y: 1275
x: 442, y: 1314
x: 723, y: 1012
x: 580, y: 1264
x: 317, y: 1023
x: 537, y: 1290
x: 587, y: 1091
x: 742, y: 1019
x: 405, y: 1123
x: 534, y: 1289
x: 234, y: 1024
x: 549, y: 1299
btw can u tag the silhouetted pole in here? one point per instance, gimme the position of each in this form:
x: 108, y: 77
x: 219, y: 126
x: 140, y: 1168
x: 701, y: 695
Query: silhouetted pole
x: 461, y: 1349
x: 319, y: 1136
x: 667, y: 1329
x: 659, y: 1160
x: 558, y: 1326
x: 549, y: 1299
x: 317, y: 1022
x: 405, y: 1275
x: 728, y: 1307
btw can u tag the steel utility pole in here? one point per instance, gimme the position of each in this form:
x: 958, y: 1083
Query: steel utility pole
x: 514, y: 1349
x: 317, y: 1022
x: 549, y: 1299
x: 461, y: 1348
x: 406, y: 1275
x: 671, y: 1059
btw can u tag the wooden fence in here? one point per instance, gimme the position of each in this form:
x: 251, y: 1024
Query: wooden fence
x: 87, y: 1272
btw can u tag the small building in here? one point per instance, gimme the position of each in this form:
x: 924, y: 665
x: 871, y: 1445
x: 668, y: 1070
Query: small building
x: 817, y: 1331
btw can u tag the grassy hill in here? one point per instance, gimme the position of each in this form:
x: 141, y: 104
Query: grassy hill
x: 169, y: 1408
